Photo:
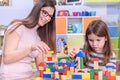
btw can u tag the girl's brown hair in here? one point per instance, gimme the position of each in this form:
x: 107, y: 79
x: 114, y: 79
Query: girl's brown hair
x: 99, y: 28
x: 47, y: 33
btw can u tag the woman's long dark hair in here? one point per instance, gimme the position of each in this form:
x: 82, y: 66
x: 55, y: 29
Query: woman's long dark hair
x: 47, y: 33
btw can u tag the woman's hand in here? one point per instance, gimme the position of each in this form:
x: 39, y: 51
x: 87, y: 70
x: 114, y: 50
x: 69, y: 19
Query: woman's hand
x: 42, y: 47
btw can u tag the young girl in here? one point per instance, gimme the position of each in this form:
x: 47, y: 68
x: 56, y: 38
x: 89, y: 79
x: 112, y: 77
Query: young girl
x: 97, y: 45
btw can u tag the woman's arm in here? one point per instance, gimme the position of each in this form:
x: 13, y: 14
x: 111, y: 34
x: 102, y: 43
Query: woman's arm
x: 39, y: 58
x: 11, y: 54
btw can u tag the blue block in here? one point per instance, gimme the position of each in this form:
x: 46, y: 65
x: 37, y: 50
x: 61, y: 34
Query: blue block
x: 47, y: 75
x: 77, y: 76
x: 68, y: 64
x: 112, y: 67
x: 56, y: 79
x: 60, y: 63
x: 61, y: 70
x: 80, y: 54
x: 72, y: 64
x: 53, y: 69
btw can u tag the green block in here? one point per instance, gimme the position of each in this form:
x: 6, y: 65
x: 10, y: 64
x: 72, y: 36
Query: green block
x: 92, y: 74
x: 65, y: 58
x: 104, y: 77
x: 81, y: 63
x: 50, y: 66
x: 97, y: 70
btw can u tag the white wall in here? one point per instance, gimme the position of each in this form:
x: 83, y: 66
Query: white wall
x: 18, y: 9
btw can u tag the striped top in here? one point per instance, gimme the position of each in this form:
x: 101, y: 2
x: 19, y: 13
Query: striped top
x: 91, y: 63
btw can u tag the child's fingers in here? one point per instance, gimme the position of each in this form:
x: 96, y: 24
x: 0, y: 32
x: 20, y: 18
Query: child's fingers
x: 72, y: 54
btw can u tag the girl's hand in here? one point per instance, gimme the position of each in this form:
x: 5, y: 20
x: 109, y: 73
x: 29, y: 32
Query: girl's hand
x: 42, y: 47
x: 73, y: 53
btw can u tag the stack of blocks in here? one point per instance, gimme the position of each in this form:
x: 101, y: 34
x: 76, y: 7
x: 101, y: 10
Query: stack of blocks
x: 52, y: 70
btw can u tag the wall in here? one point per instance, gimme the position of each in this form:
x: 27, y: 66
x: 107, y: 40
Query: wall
x: 18, y: 9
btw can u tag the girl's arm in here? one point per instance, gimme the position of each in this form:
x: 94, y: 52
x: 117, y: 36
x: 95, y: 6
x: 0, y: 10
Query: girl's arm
x: 113, y: 59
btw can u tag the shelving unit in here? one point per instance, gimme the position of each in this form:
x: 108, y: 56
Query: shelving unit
x: 72, y: 29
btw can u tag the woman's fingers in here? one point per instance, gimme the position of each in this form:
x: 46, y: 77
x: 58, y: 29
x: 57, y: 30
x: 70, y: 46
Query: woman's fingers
x: 41, y: 47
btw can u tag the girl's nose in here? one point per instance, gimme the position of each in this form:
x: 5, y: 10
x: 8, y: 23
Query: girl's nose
x: 94, y: 43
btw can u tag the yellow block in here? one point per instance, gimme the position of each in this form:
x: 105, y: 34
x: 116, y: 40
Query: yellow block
x: 85, y: 76
x: 50, y: 52
x: 38, y: 78
x: 113, y: 73
x: 47, y: 69
x: 63, y: 77
x: 68, y: 73
x: 60, y: 67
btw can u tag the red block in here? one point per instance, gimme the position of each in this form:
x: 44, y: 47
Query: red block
x: 49, y: 58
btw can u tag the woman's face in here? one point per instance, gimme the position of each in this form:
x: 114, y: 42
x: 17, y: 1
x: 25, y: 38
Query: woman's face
x: 46, y: 15
x: 96, y: 43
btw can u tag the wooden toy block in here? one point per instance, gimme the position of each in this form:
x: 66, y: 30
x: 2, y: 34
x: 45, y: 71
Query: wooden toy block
x: 95, y: 60
x: 50, y: 64
x: 96, y: 76
x: 47, y: 70
x: 85, y: 76
x: 113, y: 73
x: 49, y: 58
x: 92, y: 74
x: 56, y: 75
x: 38, y: 78
x: 63, y: 77
x: 100, y: 75
x: 104, y: 77
x: 63, y: 58
x: 80, y: 55
x: 76, y: 76
x: 47, y: 75
x: 41, y: 73
x: 50, y: 52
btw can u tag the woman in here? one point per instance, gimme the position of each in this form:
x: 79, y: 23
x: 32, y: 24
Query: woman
x: 28, y: 39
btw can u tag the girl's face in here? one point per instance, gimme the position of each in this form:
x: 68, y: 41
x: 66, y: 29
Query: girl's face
x: 96, y: 43
x: 46, y: 15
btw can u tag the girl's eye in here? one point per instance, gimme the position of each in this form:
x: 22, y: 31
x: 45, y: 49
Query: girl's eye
x: 90, y: 40
x: 98, y: 39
